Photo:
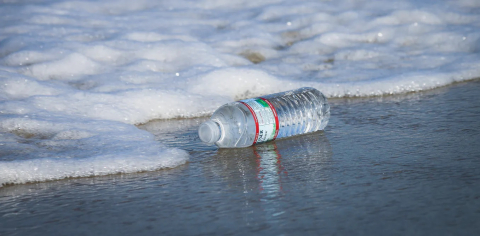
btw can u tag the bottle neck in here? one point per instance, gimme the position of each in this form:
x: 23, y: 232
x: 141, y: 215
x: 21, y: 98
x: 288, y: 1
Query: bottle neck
x: 209, y: 132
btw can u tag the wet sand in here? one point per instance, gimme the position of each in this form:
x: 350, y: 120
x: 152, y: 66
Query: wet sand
x: 392, y: 165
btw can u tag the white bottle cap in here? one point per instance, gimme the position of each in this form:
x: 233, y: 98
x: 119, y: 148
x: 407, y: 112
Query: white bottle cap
x: 209, y: 132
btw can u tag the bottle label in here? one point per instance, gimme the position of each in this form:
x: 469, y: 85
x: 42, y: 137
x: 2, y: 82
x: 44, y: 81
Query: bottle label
x: 266, y: 119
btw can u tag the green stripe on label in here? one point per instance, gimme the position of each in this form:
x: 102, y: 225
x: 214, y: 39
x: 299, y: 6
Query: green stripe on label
x: 263, y: 103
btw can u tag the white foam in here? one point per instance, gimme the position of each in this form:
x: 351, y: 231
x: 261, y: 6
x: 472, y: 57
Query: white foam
x: 77, y: 74
x: 48, y: 147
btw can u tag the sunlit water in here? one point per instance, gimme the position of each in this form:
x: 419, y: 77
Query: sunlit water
x: 395, y: 165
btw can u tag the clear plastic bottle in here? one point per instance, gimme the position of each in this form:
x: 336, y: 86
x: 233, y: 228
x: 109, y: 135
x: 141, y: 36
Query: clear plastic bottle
x: 257, y: 120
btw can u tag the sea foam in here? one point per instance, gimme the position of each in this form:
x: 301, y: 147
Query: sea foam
x: 77, y: 76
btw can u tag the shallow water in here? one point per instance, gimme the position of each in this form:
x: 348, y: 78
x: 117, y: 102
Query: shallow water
x: 395, y: 165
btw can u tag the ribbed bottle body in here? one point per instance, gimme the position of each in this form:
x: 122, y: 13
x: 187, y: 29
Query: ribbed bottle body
x: 251, y: 121
x: 300, y: 111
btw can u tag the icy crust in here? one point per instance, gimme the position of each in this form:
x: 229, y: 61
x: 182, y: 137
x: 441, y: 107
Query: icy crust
x: 76, y: 76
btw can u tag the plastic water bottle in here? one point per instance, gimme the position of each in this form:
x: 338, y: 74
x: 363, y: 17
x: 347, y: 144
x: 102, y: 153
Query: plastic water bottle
x: 262, y: 119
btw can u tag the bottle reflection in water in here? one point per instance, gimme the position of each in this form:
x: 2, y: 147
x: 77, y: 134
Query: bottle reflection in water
x: 264, y: 172
x: 269, y: 168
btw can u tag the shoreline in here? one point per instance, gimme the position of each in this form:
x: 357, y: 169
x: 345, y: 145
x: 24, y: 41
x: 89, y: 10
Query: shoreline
x: 381, y: 164
x: 159, y: 126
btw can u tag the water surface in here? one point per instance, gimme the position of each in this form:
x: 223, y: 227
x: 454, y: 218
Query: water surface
x: 395, y: 165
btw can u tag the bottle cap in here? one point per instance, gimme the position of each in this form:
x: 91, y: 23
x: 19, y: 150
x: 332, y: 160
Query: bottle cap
x: 209, y: 132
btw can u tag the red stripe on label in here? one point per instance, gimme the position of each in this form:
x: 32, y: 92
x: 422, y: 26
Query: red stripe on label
x: 255, y: 119
x: 274, y: 114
